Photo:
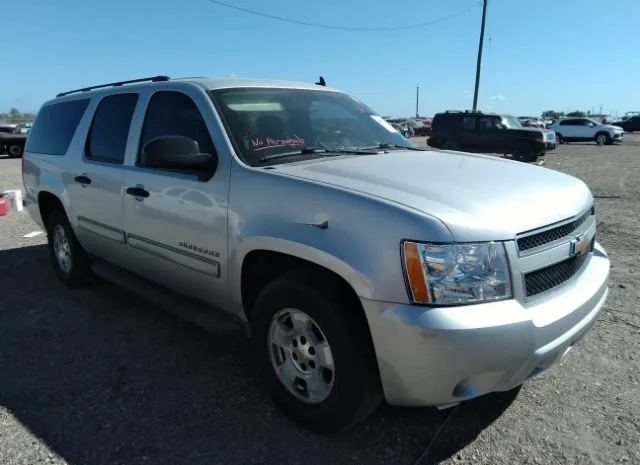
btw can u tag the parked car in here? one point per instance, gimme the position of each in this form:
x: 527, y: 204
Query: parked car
x: 586, y: 129
x: 489, y: 133
x: 629, y: 125
x: 530, y: 122
x: 364, y: 269
x: 12, y: 141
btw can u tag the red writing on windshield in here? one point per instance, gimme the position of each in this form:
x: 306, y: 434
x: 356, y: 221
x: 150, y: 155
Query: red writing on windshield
x: 270, y: 142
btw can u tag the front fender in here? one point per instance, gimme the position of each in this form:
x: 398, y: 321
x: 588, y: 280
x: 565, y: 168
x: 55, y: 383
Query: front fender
x: 311, y: 252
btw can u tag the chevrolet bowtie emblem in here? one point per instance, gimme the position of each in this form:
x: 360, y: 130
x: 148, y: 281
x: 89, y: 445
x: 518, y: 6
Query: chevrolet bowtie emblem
x: 580, y: 245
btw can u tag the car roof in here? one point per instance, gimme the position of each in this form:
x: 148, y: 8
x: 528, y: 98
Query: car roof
x: 203, y: 82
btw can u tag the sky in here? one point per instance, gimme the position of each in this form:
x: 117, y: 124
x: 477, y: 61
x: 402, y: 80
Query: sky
x: 538, y: 54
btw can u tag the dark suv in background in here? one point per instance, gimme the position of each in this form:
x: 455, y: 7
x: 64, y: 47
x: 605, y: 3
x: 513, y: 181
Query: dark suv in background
x: 629, y: 124
x: 472, y: 131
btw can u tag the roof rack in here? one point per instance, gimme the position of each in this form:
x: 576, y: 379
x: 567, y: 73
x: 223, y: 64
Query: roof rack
x: 465, y: 111
x: 116, y: 84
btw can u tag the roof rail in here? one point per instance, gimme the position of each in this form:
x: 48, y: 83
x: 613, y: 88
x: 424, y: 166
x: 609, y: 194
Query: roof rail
x: 115, y: 84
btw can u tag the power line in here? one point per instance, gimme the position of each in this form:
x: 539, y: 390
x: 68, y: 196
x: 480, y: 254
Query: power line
x: 343, y: 28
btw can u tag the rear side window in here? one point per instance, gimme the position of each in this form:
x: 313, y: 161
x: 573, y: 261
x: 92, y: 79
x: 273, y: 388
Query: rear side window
x: 55, y: 126
x: 442, y: 121
x: 107, y: 139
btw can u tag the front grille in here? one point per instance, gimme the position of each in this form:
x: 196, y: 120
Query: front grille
x: 550, y: 235
x: 545, y: 279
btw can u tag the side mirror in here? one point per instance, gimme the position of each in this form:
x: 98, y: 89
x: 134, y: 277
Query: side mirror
x: 176, y: 153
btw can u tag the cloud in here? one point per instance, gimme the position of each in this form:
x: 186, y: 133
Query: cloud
x: 498, y: 97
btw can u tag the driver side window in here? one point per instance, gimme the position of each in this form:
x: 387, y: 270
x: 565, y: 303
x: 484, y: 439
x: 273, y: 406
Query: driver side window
x: 172, y: 113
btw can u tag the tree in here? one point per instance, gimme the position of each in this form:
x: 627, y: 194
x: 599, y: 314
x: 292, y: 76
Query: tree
x: 577, y: 114
x: 552, y: 114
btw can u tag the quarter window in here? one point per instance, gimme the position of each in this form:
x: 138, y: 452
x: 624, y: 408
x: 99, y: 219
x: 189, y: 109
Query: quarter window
x: 55, y: 126
x: 109, y: 131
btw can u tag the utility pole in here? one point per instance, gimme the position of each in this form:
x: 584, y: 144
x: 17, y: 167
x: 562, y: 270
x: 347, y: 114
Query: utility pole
x: 417, y: 100
x: 484, y: 17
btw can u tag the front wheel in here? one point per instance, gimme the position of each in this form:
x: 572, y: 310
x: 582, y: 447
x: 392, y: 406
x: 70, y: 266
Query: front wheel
x: 313, y: 353
x: 523, y: 151
x: 449, y: 144
x: 14, y: 151
x: 602, y: 138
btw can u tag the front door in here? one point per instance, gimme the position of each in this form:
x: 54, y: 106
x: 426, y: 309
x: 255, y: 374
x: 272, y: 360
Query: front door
x: 177, y: 221
x: 490, y: 136
x: 96, y: 190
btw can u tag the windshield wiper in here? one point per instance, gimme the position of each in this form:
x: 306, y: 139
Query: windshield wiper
x: 398, y: 146
x: 316, y: 151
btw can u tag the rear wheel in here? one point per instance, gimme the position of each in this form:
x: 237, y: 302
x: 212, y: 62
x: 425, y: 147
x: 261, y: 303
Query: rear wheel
x: 14, y: 151
x: 70, y: 261
x: 314, y: 353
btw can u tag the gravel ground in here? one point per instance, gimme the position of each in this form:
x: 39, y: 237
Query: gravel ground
x: 97, y: 376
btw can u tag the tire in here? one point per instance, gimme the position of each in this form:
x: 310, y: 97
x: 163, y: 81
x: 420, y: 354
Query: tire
x: 559, y: 139
x: 449, y: 144
x: 523, y: 151
x: 14, y: 151
x: 70, y: 261
x: 350, y: 389
x: 602, y: 138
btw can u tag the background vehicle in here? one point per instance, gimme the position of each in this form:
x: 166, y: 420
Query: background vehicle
x: 584, y: 130
x: 12, y: 141
x: 630, y: 124
x: 487, y: 132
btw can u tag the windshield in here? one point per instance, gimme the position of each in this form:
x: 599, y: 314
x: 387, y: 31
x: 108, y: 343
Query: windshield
x: 511, y: 122
x: 265, y: 122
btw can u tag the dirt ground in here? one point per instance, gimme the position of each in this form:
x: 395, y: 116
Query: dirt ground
x: 96, y: 376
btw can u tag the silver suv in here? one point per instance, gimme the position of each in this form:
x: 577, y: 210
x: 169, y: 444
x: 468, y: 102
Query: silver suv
x: 363, y: 268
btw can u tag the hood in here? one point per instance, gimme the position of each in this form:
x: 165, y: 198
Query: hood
x: 531, y: 129
x: 612, y: 126
x: 478, y: 197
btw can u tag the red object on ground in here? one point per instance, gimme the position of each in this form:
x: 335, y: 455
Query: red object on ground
x: 4, y: 205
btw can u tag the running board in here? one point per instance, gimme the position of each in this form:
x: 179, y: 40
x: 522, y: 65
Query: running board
x: 208, y: 318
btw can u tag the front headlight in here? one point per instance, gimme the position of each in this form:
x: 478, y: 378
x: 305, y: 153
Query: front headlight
x: 446, y: 274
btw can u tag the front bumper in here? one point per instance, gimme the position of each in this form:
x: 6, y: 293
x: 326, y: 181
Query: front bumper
x: 543, y: 147
x: 439, y: 356
x: 618, y: 136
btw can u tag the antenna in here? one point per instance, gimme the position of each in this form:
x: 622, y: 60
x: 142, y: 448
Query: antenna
x: 321, y: 82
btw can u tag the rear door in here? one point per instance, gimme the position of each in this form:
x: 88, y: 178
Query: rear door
x: 467, y: 137
x: 96, y: 187
x: 177, y: 230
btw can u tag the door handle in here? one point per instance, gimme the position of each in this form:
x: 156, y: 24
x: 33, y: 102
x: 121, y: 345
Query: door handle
x: 83, y: 179
x: 138, y: 191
